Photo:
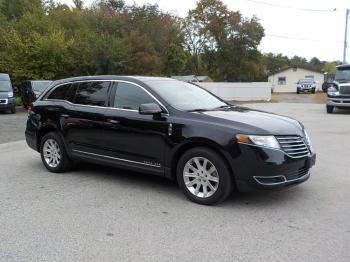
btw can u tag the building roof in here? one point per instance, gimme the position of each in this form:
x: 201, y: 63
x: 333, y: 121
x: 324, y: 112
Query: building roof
x: 290, y: 67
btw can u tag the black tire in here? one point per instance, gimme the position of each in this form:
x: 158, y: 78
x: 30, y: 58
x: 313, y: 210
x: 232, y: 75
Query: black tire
x: 298, y: 91
x: 65, y: 163
x: 330, y: 109
x: 313, y: 91
x: 224, y: 186
x: 13, y: 110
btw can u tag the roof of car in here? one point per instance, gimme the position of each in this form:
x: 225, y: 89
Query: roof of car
x: 114, y: 77
x: 343, y: 66
x: 4, y: 77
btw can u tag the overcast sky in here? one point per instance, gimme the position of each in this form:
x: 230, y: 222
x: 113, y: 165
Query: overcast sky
x: 304, y: 28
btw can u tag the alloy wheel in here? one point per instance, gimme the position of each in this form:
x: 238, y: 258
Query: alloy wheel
x: 201, y: 177
x: 52, y: 153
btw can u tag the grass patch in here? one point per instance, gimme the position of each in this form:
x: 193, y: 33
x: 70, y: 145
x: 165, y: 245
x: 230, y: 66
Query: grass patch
x: 18, y: 101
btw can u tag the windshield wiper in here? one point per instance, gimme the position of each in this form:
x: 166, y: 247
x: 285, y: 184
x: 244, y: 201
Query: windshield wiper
x: 223, y: 107
x: 198, y: 110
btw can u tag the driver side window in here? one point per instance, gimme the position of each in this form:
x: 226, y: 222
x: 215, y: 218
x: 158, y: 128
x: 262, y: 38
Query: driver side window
x: 129, y: 96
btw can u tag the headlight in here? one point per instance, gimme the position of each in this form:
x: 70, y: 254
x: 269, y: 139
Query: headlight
x: 266, y: 141
x: 332, y: 91
x: 10, y: 94
x: 308, y: 141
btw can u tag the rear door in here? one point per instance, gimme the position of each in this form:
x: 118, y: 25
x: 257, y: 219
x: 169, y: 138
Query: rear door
x: 84, y: 125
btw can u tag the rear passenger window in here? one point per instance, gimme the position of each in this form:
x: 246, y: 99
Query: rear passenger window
x: 92, y: 93
x: 60, y: 93
x: 129, y: 96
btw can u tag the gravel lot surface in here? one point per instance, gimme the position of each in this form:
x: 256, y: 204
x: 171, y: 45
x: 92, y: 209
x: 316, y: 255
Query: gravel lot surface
x: 102, y: 214
x: 12, y: 126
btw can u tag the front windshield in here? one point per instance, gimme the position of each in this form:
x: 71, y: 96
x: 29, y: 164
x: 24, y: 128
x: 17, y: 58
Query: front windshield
x: 185, y: 96
x: 40, y: 86
x: 5, y: 86
x: 306, y: 81
x: 342, y: 74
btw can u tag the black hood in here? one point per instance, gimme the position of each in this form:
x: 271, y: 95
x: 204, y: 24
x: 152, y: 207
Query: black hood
x: 257, y: 122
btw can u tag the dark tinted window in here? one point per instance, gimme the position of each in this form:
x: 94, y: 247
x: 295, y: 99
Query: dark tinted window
x: 129, y: 96
x: 92, y: 93
x: 60, y: 92
x: 72, y: 91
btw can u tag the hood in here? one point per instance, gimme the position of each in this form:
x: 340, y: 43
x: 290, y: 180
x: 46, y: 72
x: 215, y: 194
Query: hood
x: 341, y: 83
x: 257, y: 122
x: 3, y: 95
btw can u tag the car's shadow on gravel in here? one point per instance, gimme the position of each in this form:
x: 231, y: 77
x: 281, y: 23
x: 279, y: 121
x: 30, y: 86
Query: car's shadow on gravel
x: 170, y: 188
x: 132, y: 179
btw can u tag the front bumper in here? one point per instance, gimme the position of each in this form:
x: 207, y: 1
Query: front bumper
x: 339, y: 101
x: 7, y: 104
x: 256, y: 168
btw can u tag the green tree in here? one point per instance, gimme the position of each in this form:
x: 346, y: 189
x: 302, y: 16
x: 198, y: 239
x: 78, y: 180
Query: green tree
x: 232, y: 41
x: 15, y: 9
x: 174, y: 60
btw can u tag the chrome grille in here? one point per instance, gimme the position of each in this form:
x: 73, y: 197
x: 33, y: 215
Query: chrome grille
x: 294, y: 146
x: 3, y: 101
x: 344, y: 90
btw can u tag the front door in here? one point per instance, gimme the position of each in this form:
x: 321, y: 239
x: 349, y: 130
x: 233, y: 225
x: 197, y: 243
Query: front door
x: 134, y: 139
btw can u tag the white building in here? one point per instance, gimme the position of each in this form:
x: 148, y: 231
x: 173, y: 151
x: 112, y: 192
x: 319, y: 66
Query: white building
x: 285, y: 80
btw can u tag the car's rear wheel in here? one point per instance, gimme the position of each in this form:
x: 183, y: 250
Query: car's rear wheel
x: 203, y: 176
x: 53, y: 153
x: 330, y: 109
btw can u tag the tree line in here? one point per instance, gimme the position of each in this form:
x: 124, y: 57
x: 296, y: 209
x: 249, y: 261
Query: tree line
x: 42, y: 39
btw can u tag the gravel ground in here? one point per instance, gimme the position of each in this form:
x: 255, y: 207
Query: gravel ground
x: 103, y: 214
x: 12, y: 126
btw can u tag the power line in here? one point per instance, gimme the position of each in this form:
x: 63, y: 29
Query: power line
x: 294, y: 8
x: 303, y: 39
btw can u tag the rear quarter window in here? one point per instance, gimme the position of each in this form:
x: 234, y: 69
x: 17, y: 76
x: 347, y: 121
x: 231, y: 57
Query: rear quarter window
x: 60, y: 92
x: 92, y: 93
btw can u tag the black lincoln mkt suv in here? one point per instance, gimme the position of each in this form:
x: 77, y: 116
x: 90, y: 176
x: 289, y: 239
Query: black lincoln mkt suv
x: 169, y: 128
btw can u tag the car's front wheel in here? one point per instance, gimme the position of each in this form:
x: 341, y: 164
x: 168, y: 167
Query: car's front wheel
x: 53, y: 153
x: 203, y: 176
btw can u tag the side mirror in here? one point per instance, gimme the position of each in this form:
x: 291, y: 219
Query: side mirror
x: 150, y: 109
x: 15, y: 89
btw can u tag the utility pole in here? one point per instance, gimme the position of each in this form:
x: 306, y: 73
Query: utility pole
x: 346, y: 35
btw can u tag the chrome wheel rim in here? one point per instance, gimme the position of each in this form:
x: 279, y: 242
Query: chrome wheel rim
x: 201, y: 177
x: 52, y: 153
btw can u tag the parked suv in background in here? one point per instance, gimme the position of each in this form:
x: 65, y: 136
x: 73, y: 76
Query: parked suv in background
x: 306, y: 85
x: 7, y: 100
x: 31, y: 90
x: 170, y: 128
x: 338, y: 95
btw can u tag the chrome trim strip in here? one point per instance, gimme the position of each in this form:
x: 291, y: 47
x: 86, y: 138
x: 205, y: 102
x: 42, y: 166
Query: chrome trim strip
x: 96, y: 80
x: 277, y: 149
x: 288, y: 137
x: 280, y: 183
x: 116, y: 158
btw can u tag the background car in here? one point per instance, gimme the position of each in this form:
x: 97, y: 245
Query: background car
x: 7, y: 100
x: 306, y: 85
x: 32, y: 89
x: 338, y: 94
